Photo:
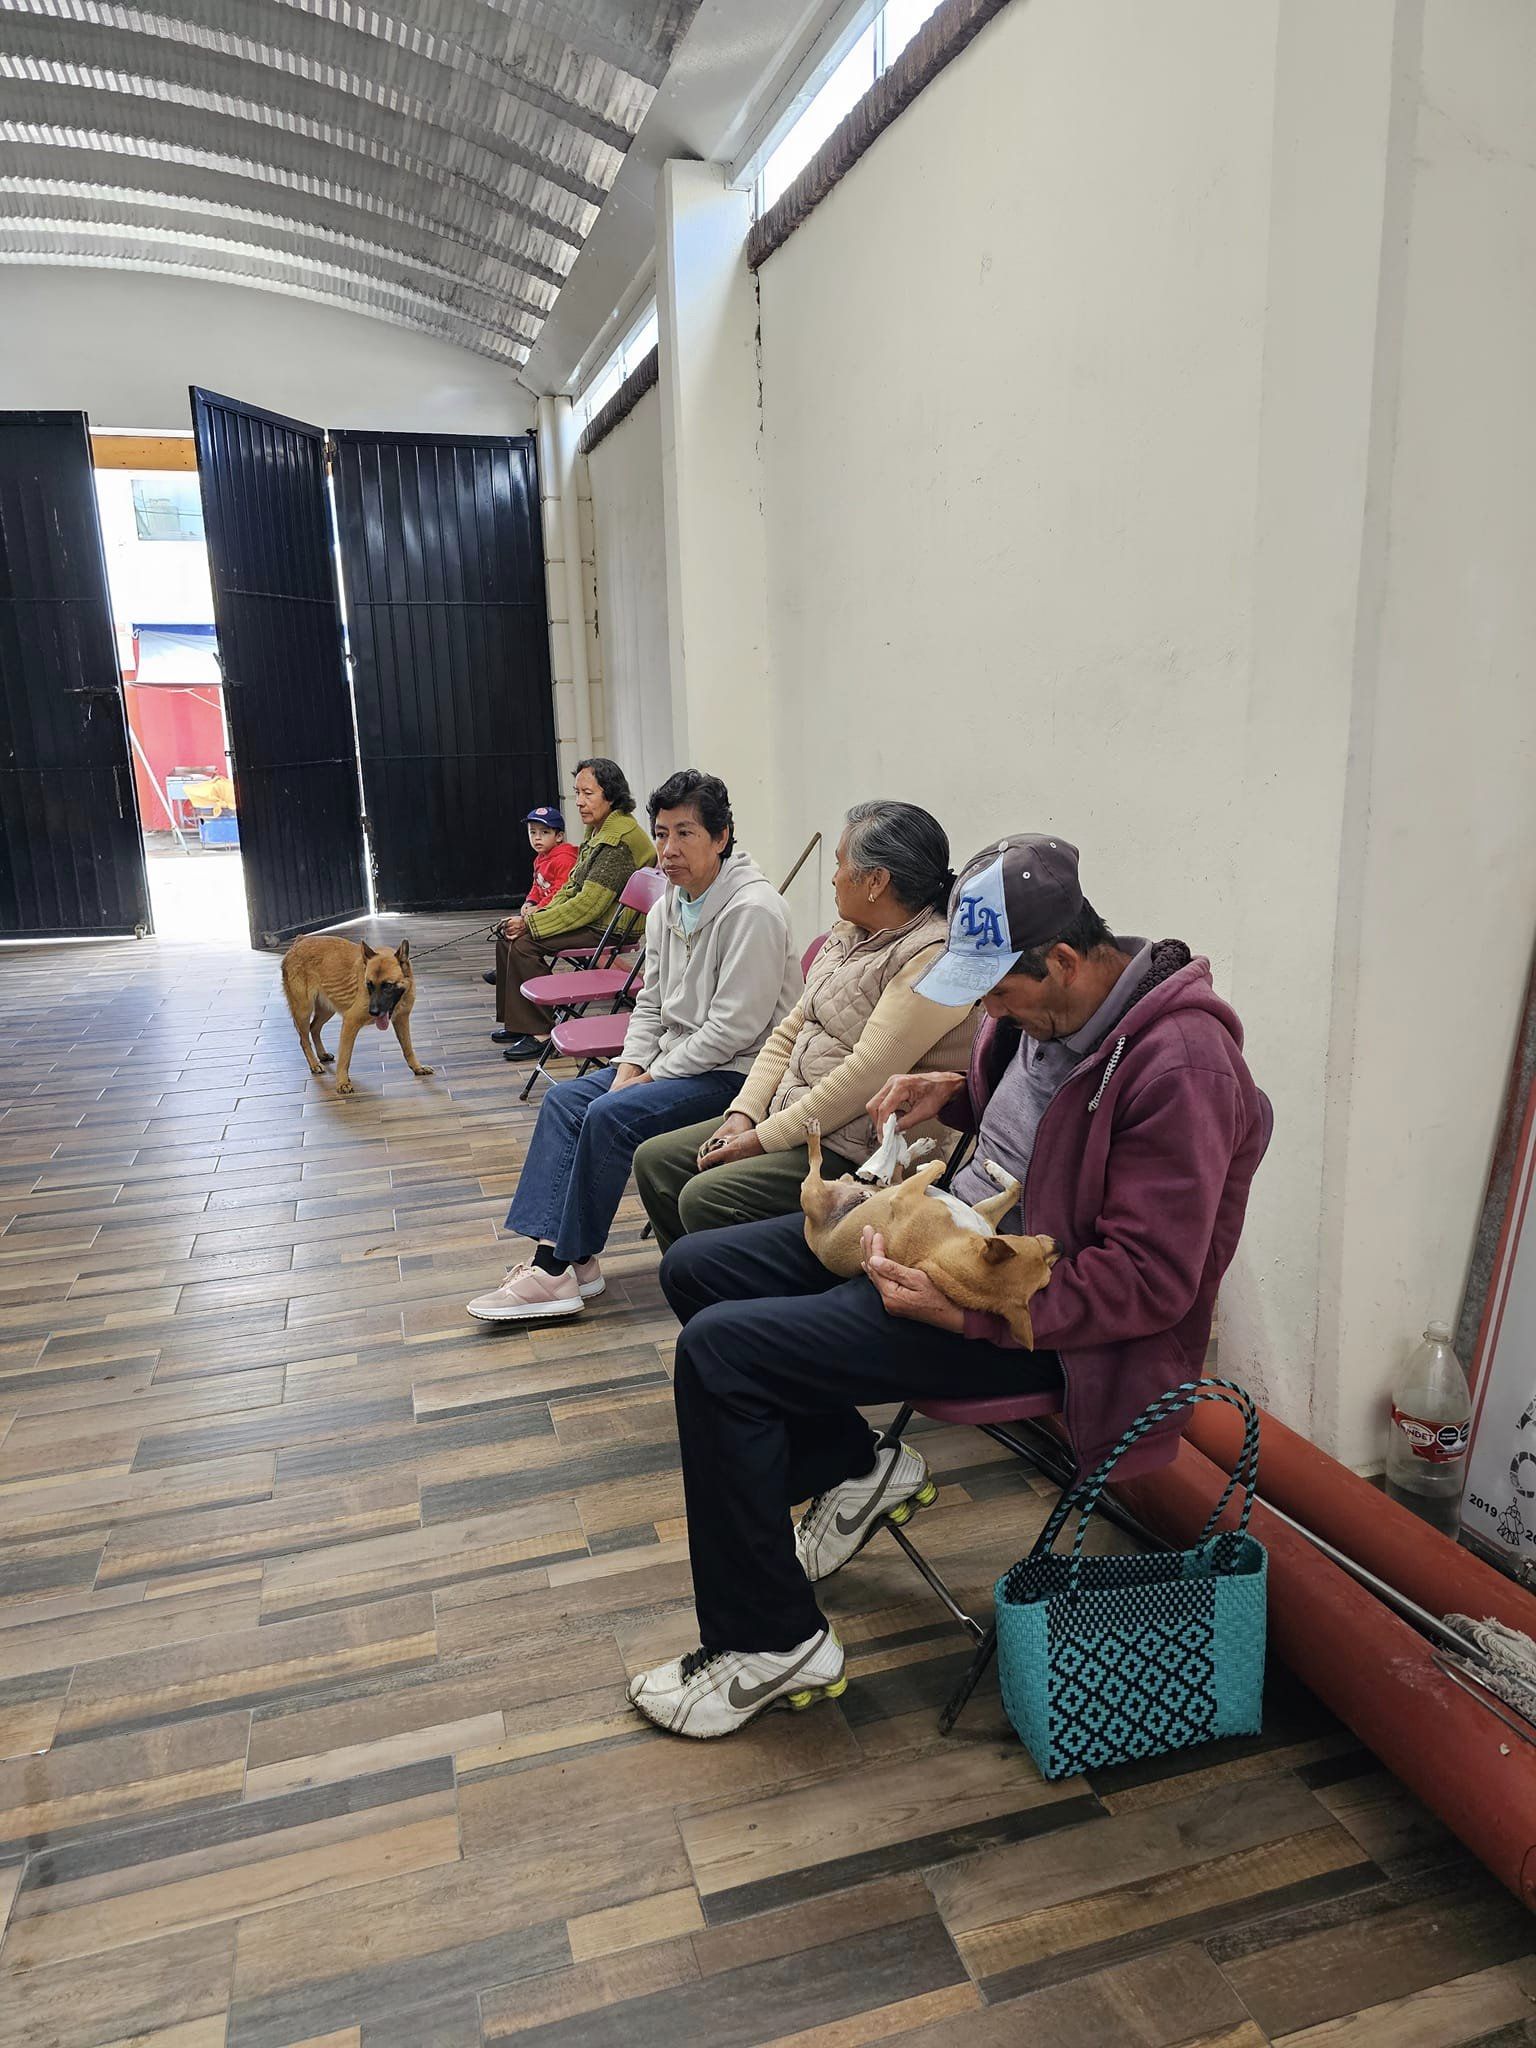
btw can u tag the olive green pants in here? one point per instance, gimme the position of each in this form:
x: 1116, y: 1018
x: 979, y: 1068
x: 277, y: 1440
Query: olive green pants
x: 680, y: 1200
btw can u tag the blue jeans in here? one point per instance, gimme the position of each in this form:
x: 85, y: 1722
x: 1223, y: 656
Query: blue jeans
x: 577, y: 1168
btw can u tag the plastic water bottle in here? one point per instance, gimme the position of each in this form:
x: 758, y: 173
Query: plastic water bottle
x: 1427, y: 1435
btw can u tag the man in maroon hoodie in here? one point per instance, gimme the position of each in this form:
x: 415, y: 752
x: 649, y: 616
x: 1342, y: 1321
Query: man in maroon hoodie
x: 1111, y: 1083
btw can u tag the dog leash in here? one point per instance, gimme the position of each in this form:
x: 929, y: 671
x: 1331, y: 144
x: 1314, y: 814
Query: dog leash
x: 462, y: 938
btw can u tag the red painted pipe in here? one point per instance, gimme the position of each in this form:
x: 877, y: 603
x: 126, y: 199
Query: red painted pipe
x: 1376, y: 1673
x: 1357, y: 1518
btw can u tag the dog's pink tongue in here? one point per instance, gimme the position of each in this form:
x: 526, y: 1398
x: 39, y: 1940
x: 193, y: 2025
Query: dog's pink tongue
x: 382, y: 1020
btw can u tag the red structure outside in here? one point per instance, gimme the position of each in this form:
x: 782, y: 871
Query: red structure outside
x: 177, y: 727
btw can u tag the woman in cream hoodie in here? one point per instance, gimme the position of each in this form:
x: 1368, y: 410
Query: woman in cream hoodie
x: 720, y: 974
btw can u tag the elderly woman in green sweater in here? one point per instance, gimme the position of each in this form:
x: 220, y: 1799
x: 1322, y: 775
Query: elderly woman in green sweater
x: 860, y: 1022
x: 614, y: 847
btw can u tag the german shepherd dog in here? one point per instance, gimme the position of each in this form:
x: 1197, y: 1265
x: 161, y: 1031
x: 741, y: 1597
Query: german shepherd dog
x: 361, y: 984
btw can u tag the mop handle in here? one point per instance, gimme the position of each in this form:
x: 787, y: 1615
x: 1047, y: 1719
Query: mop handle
x: 1431, y: 1624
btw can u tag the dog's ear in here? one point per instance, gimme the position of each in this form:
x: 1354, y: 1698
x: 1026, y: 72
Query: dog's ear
x: 403, y: 951
x: 368, y: 951
x: 995, y: 1249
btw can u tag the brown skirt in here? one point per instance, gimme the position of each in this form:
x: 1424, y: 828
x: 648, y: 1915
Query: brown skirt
x: 519, y: 960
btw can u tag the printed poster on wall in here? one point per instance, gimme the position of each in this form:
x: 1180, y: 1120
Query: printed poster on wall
x: 1498, y: 1506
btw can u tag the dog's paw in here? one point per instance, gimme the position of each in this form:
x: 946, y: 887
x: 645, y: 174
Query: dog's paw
x: 813, y: 1127
x: 344, y: 1085
x: 326, y: 1057
x: 421, y: 1073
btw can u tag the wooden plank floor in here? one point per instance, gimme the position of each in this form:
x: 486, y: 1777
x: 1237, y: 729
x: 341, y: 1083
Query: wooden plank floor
x: 317, y: 1602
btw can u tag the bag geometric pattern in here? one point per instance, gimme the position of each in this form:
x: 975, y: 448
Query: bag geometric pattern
x: 1106, y: 1659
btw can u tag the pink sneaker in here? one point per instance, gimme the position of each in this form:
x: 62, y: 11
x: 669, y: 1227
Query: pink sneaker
x: 589, y: 1278
x: 528, y: 1292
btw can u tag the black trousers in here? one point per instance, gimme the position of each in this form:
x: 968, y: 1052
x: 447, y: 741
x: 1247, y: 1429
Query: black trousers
x: 775, y: 1360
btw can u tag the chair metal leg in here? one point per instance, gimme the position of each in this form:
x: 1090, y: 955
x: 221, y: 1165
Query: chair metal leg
x: 965, y: 1620
x: 986, y: 1650
x: 538, y: 1073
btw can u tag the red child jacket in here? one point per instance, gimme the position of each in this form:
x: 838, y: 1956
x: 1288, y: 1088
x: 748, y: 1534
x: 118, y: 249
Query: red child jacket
x: 551, y: 872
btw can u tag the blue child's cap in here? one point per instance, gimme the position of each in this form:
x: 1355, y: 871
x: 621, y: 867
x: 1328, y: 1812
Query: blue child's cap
x: 546, y: 814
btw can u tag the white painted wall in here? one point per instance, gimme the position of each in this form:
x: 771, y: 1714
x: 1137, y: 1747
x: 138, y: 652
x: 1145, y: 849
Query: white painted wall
x: 124, y: 346
x: 1144, y: 450
x: 1009, y: 403
x: 625, y: 470
x: 712, y: 484
x: 1448, y: 876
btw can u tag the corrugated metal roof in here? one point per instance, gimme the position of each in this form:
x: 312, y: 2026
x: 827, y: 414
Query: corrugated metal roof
x: 437, y: 163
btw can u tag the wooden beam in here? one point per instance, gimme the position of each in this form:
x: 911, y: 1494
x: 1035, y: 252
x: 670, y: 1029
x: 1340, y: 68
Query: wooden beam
x: 143, y: 451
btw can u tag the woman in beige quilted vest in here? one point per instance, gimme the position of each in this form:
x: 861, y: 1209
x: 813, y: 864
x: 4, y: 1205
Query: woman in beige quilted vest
x: 859, y: 1022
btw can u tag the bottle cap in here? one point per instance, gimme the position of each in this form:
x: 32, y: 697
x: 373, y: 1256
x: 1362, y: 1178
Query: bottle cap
x: 1438, y: 1333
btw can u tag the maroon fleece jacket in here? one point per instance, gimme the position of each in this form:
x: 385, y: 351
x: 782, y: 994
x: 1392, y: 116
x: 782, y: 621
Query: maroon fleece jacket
x: 1141, y: 1170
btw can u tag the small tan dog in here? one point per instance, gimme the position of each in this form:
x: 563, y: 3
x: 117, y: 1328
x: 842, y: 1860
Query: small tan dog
x: 956, y: 1245
x: 348, y: 978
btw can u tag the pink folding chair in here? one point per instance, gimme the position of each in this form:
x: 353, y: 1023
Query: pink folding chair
x: 571, y: 994
x: 1000, y: 1416
x: 811, y: 951
x: 574, y: 990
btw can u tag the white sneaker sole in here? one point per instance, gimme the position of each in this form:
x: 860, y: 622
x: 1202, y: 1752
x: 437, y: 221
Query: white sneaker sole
x: 591, y: 1289
x: 526, y: 1312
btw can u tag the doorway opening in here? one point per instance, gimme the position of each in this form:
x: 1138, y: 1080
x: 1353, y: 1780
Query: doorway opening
x: 151, y: 517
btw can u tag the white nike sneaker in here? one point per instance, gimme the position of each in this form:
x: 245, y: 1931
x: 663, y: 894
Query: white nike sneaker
x: 840, y: 1522
x: 703, y: 1696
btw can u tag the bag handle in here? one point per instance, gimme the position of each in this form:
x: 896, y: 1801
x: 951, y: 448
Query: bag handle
x: 1084, y: 1497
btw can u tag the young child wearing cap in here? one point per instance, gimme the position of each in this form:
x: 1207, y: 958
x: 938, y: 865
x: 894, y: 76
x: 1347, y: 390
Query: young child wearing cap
x: 553, y: 855
x: 553, y: 858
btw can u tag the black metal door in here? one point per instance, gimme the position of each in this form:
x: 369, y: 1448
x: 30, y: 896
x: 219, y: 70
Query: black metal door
x: 443, y: 561
x: 285, y: 679
x: 71, y: 859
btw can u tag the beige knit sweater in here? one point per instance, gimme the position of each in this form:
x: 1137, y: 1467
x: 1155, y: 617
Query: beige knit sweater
x: 906, y: 1033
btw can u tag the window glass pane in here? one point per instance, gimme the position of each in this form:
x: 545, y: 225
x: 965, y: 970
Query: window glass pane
x: 600, y: 392
x: 642, y: 344
x: 836, y: 100
x: 901, y: 20
x: 167, y: 508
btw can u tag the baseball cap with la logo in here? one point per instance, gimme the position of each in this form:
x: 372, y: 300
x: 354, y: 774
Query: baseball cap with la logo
x: 1014, y: 894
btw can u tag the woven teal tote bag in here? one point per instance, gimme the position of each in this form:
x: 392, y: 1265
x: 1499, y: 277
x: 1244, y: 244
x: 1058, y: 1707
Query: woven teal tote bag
x: 1104, y: 1659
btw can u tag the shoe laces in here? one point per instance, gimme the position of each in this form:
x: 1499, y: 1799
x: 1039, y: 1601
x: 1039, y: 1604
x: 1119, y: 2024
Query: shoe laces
x: 700, y: 1660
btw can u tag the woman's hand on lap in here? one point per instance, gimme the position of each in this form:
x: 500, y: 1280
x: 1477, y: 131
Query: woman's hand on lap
x: 628, y: 1077
x: 736, y: 1139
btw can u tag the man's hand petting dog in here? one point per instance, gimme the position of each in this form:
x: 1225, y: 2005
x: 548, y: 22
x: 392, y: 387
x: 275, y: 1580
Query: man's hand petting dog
x: 736, y: 1139
x: 907, y: 1292
x: 914, y: 1099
